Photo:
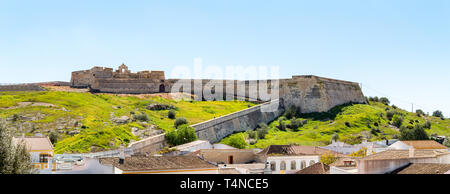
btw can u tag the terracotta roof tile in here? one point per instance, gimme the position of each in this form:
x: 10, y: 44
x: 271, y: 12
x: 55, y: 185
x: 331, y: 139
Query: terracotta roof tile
x: 426, y: 169
x: 402, y: 154
x: 317, y: 168
x: 146, y: 163
x: 425, y: 144
x: 35, y: 143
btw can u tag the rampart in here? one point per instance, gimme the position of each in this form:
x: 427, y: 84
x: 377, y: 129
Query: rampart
x: 308, y: 93
x: 21, y: 87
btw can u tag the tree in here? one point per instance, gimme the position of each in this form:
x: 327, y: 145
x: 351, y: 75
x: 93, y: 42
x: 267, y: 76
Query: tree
x: 447, y: 141
x: 419, y: 133
x: 335, y: 137
x: 385, y: 100
x: 420, y: 112
x: 14, y: 157
x: 328, y: 158
x: 416, y: 133
x: 182, y: 135
x: 53, y: 136
x: 180, y: 121
x: 438, y: 113
x: 361, y: 153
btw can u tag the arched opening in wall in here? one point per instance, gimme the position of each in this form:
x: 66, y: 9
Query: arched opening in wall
x: 302, y: 164
x: 283, y: 165
x: 273, y: 166
x: 162, y: 88
x: 293, y: 165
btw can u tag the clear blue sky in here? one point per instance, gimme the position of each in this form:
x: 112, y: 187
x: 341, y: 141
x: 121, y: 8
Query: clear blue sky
x: 399, y: 48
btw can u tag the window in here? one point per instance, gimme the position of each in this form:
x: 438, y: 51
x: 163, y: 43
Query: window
x: 303, y: 164
x: 293, y: 165
x: 283, y: 165
x: 273, y: 166
x: 43, y: 158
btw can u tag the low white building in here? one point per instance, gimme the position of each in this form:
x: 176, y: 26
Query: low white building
x: 41, y: 152
x: 289, y: 159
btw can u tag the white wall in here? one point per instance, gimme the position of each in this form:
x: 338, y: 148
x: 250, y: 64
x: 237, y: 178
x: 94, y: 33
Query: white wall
x: 288, y: 160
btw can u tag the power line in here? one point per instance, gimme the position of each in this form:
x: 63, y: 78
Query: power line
x: 395, y: 98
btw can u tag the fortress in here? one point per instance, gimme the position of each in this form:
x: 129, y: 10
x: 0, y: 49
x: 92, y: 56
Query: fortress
x: 310, y: 93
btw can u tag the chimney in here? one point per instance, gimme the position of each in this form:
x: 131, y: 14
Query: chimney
x: 121, y: 155
x: 411, y: 152
x: 369, y: 149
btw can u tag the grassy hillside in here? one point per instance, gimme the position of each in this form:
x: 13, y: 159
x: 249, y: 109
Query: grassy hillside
x: 350, y: 122
x: 83, y: 121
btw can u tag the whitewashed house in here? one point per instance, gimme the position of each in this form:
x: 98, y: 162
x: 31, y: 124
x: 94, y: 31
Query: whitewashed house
x: 289, y: 159
x: 41, y: 152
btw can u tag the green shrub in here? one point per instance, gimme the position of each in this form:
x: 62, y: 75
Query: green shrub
x: 262, y: 132
x: 180, y: 121
x: 347, y: 124
x: 282, y: 125
x: 252, y: 134
x: 397, y: 120
x: 447, y: 142
x: 427, y: 125
x: 292, y: 112
x: 141, y: 117
x: 182, y: 135
x: 390, y: 114
x: 237, y: 141
x: 171, y: 114
x: 385, y: 101
x: 295, y: 124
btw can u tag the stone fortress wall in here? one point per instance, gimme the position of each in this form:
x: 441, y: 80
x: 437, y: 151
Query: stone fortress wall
x: 309, y: 93
x: 21, y: 87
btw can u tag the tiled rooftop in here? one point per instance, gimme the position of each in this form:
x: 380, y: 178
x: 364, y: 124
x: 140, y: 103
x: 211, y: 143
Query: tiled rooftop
x: 147, y: 163
x: 317, y: 168
x: 425, y: 144
x: 35, y: 143
x: 402, y: 154
x: 426, y: 169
